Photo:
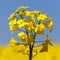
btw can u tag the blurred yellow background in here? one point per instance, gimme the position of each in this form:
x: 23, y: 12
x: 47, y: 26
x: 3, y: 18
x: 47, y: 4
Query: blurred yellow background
x: 16, y: 53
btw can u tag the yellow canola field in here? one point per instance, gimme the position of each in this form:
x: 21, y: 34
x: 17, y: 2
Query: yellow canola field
x: 17, y: 53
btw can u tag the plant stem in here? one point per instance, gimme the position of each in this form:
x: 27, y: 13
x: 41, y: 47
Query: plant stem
x: 31, y: 47
x: 30, y: 56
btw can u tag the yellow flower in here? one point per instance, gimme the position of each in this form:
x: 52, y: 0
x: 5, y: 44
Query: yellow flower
x: 42, y: 26
x: 23, y: 7
x: 13, y: 42
x: 42, y: 17
x: 33, y: 25
x: 30, y: 19
x: 20, y: 23
x: 30, y: 26
x: 49, y: 19
x: 27, y: 27
x: 26, y: 38
x: 39, y: 30
x: 17, y: 11
x: 29, y: 13
x: 12, y: 22
x: 36, y: 12
x: 21, y: 35
x: 22, y: 14
x: 50, y: 23
x: 12, y: 16
x: 29, y: 38
x: 45, y: 24
x: 13, y: 27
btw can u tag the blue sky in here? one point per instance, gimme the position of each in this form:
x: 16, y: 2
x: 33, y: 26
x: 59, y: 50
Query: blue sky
x: 51, y: 7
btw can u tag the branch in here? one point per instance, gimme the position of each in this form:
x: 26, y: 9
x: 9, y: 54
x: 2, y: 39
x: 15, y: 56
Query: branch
x: 26, y: 32
x: 22, y: 30
x: 34, y: 39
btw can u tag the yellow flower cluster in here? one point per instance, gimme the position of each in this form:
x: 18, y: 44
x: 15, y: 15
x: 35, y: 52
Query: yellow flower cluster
x: 40, y: 28
x: 30, y: 26
x: 12, y: 16
x: 26, y: 38
x: 32, y: 21
x: 13, y: 42
x: 23, y: 7
x: 41, y: 17
x: 50, y: 23
x: 15, y: 25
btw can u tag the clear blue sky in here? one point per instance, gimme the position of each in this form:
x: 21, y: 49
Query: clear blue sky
x: 51, y: 7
